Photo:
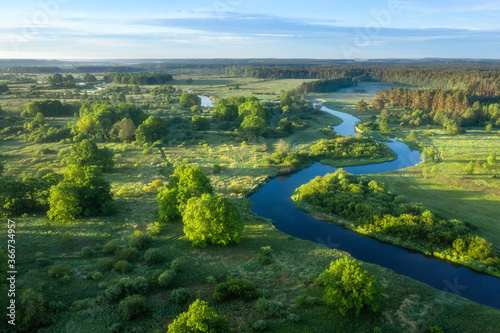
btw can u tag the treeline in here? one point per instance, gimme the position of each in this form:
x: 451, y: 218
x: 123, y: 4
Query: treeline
x: 138, y: 78
x: 373, y: 209
x: 440, y: 106
x: 32, y: 70
x: 325, y: 85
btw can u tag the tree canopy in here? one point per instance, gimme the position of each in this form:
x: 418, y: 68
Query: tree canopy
x: 349, y: 287
x: 152, y: 130
x: 86, y: 153
x: 212, y: 219
x: 200, y: 317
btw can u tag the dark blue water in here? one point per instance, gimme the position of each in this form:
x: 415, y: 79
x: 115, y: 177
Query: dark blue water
x: 274, y: 201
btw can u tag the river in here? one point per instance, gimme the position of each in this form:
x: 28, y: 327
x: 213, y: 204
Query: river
x: 274, y: 201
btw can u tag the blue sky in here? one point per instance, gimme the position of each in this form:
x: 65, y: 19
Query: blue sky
x: 71, y: 29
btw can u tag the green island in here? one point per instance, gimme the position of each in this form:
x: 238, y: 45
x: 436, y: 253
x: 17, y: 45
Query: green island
x: 129, y: 195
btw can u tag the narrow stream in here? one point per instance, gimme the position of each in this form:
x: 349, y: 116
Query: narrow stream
x: 274, y: 201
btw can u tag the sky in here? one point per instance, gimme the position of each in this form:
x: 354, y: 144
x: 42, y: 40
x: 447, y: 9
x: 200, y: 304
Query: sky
x: 319, y: 29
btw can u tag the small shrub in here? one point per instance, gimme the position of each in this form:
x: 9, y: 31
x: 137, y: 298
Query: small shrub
x: 236, y: 188
x: 43, y: 172
x: 260, y: 326
x: 235, y: 288
x: 87, y: 252
x: 106, y: 264
x: 167, y: 278
x: 270, y: 308
x: 66, y: 237
x: 109, y: 248
x: 181, y: 296
x: 177, y: 265
x: 59, y: 271
x: 264, y: 256
x: 300, y: 301
x: 140, y: 240
x: 132, y: 306
x: 311, y: 300
x: 216, y: 169
x: 157, y: 183
x: 121, y: 266
x: 293, y: 318
x: 127, y: 254
x: 434, y: 329
x: 153, y: 257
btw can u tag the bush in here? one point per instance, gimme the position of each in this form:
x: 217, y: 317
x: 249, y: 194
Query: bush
x: 342, y: 278
x: 132, y: 306
x: 199, y: 318
x: 167, y: 278
x: 140, y: 240
x: 121, y: 266
x: 181, y: 296
x: 293, y: 318
x: 106, y: 264
x: 177, y: 265
x: 216, y: 168
x: 87, y: 252
x: 270, y: 308
x: 109, y: 248
x: 260, y: 326
x: 264, y: 256
x: 59, y: 271
x: 153, y: 257
x: 127, y: 254
x: 235, y: 288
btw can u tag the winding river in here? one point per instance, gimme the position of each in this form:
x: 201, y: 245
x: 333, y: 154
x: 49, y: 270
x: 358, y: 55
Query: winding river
x: 274, y: 201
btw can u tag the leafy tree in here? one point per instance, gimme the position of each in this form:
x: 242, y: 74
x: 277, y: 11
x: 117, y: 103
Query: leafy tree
x: 225, y: 110
x: 489, y: 128
x: 152, y: 130
x: 49, y: 108
x: 89, y: 78
x: 362, y: 105
x: 378, y: 104
x: 189, y: 100
x: 212, y: 219
x: 200, y: 317
x: 349, y: 287
x: 200, y: 123
x: 253, y: 125
x: 124, y: 130
x: 64, y: 203
x: 185, y: 183
x: 412, y: 136
x: 86, y: 153
x: 83, y: 192
x: 4, y: 88
x: 132, y: 306
x: 252, y: 108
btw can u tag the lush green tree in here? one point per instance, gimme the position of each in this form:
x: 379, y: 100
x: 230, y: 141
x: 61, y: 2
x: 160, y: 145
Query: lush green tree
x: 132, y: 306
x: 253, y: 125
x: 185, y: 183
x: 189, y: 100
x: 200, y: 123
x: 83, y: 192
x: 225, y: 110
x: 489, y: 128
x: 49, y: 108
x: 412, y: 136
x: 349, y: 287
x: 152, y: 130
x: 89, y: 78
x: 212, y: 219
x: 64, y: 203
x: 200, y: 317
x: 362, y: 105
x: 86, y: 153
x: 124, y: 130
